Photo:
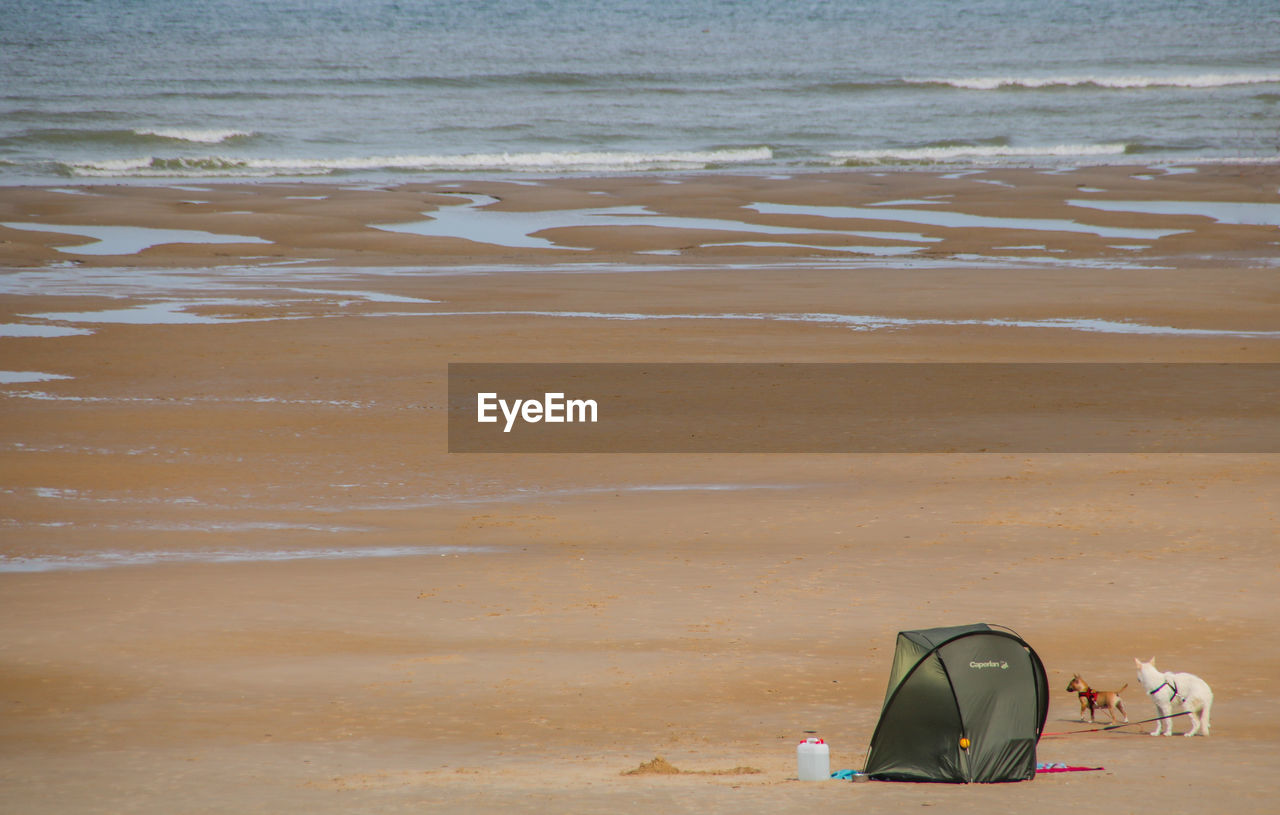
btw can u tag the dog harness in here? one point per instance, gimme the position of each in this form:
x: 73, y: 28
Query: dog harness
x: 1092, y: 696
x: 1173, y: 689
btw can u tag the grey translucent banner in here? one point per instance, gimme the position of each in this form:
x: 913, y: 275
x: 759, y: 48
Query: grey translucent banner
x: 864, y: 407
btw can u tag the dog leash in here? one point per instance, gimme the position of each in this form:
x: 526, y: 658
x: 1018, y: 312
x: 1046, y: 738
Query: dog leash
x: 1114, y: 726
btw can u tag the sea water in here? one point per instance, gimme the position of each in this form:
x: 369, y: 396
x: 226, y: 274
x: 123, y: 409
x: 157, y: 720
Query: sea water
x: 383, y: 90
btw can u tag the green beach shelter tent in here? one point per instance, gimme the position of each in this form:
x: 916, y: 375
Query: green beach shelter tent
x: 964, y: 704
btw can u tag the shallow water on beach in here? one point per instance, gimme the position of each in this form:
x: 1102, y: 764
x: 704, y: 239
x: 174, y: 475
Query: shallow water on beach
x: 960, y: 220
x: 1224, y: 212
x: 194, y: 297
x: 16, y: 377
x: 517, y: 229
x: 39, y: 330
x: 128, y: 240
x: 233, y: 532
x: 379, y: 89
x: 107, y: 560
x: 177, y: 313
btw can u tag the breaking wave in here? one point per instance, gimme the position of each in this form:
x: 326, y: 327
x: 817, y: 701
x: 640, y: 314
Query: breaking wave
x: 215, y: 166
x: 195, y: 135
x: 951, y: 152
x: 1214, y: 80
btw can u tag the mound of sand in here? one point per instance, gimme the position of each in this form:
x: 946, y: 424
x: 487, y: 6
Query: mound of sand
x: 660, y: 766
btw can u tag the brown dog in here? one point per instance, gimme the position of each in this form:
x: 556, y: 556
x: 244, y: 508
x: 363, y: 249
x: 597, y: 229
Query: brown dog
x: 1092, y: 700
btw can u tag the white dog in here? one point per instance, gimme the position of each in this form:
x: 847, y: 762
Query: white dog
x: 1188, y: 690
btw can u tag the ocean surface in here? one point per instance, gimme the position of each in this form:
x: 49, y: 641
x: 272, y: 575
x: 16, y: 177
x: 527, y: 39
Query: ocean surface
x: 95, y: 90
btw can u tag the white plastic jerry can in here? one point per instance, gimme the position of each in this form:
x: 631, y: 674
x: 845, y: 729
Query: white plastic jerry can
x: 813, y: 758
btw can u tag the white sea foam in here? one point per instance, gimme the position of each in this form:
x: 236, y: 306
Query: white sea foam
x: 45, y: 396
x: 533, y: 162
x: 105, y: 560
x: 878, y: 251
x: 988, y: 151
x: 368, y: 296
x: 54, y: 492
x: 194, y: 135
x: 532, y: 493
x: 1209, y: 80
x: 159, y: 313
x: 148, y: 167
x: 211, y: 527
x: 872, y: 322
x: 554, y: 162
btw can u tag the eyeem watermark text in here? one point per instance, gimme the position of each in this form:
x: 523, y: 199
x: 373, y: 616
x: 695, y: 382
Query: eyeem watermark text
x: 553, y: 408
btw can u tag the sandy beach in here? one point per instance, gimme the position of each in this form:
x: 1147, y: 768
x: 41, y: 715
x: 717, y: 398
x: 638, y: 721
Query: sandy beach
x: 240, y: 571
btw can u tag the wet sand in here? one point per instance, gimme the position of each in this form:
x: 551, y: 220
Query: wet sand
x: 187, y: 626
